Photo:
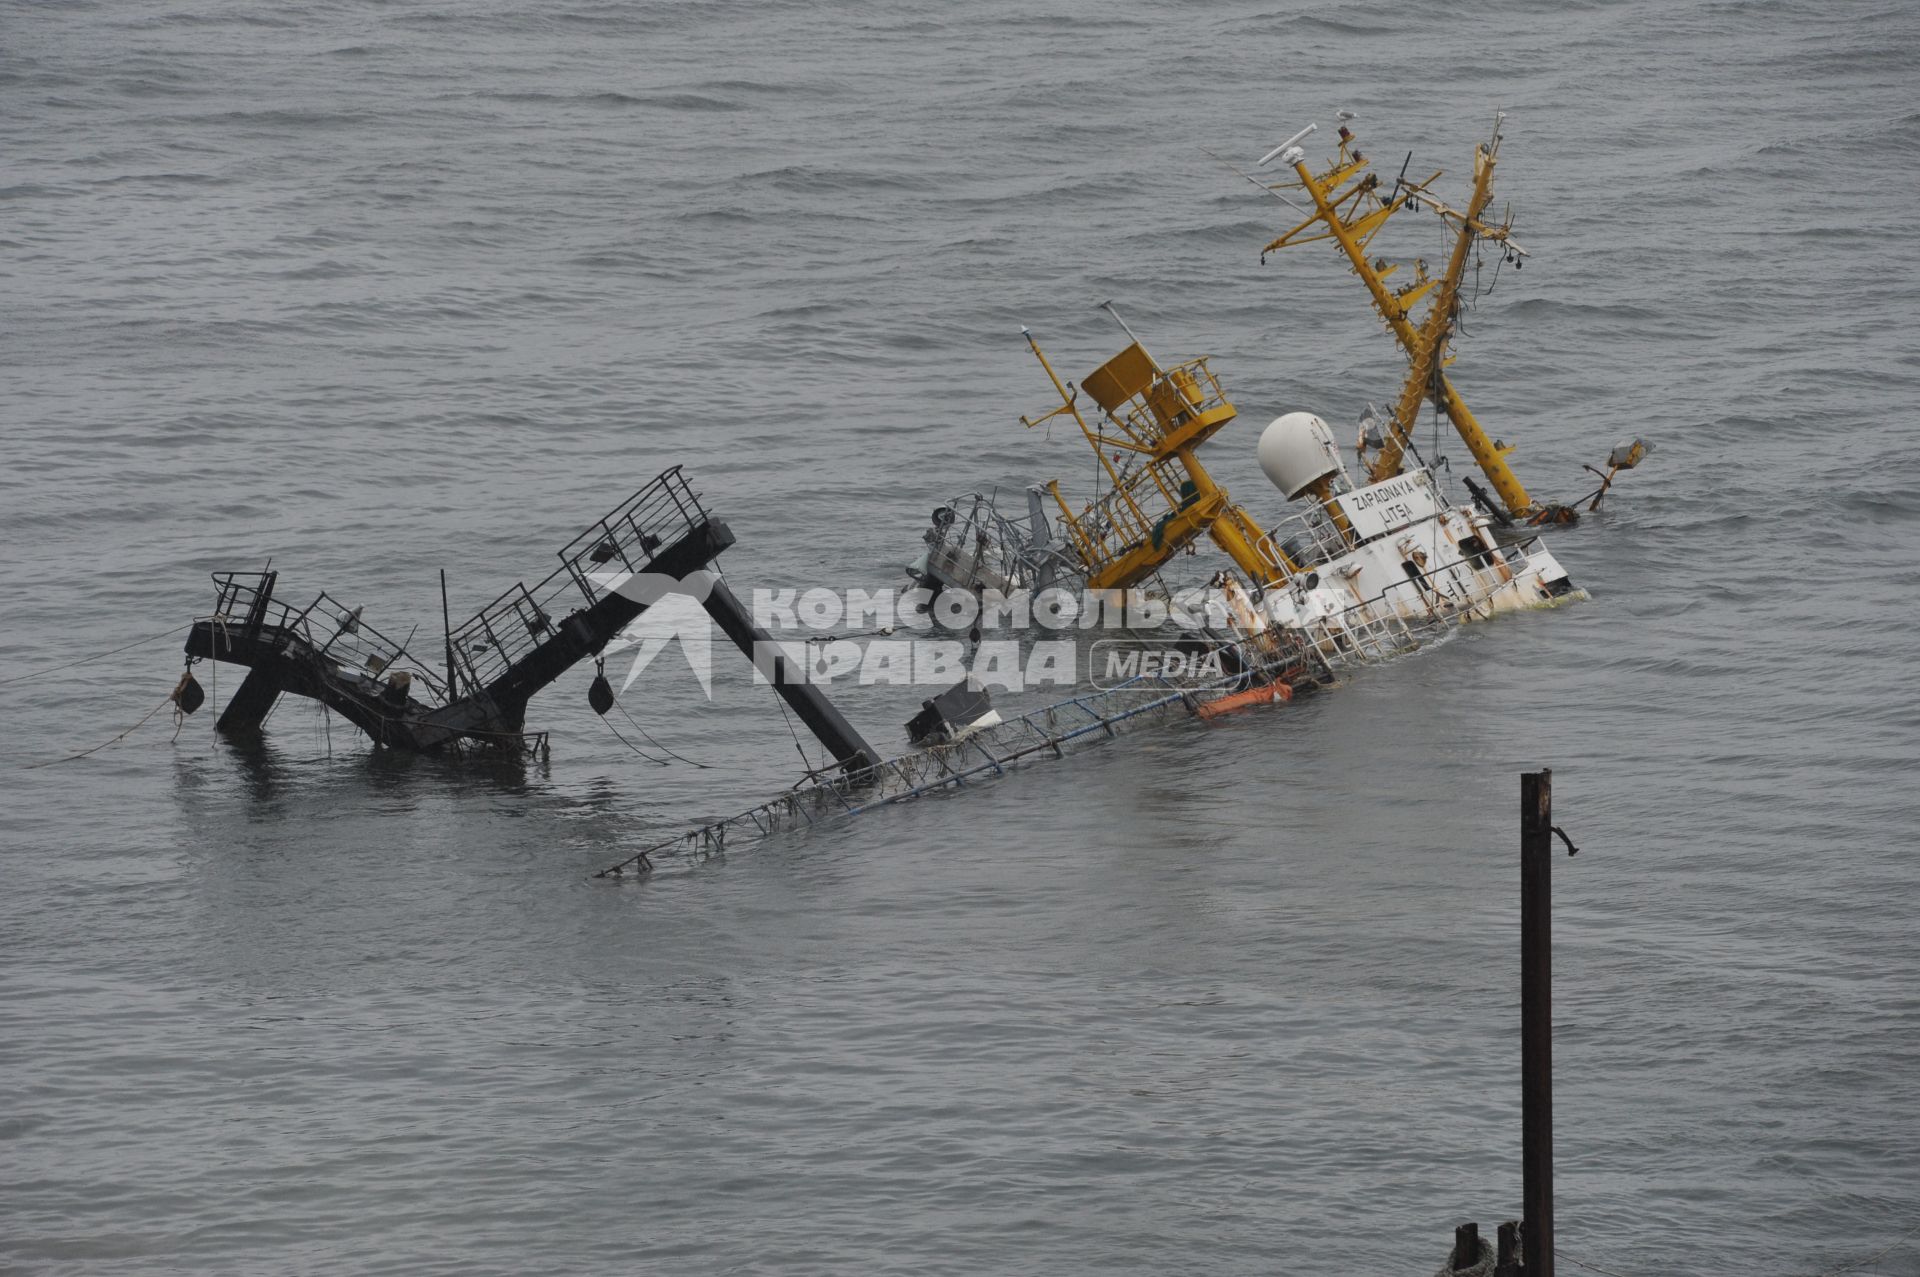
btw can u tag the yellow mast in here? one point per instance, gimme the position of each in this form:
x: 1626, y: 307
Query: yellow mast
x: 1160, y: 416
x: 1428, y: 352
x: 1348, y: 205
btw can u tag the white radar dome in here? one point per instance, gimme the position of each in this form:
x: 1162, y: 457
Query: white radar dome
x: 1297, y: 451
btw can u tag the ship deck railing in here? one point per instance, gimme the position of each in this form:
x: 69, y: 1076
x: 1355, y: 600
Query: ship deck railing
x: 983, y: 548
x: 653, y: 518
x: 1050, y: 730
x: 522, y: 617
x: 325, y: 629
x: 1175, y: 397
x: 1307, y: 539
x: 1377, y: 629
x: 1407, y: 614
x: 1113, y: 526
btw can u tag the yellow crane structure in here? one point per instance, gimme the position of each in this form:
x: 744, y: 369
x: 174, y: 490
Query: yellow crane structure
x: 1350, y: 209
x: 1161, y: 498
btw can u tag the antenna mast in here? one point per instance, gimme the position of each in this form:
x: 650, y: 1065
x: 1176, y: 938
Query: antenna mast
x: 1349, y: 210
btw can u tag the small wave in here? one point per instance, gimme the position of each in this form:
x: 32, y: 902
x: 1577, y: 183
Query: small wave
x: 1901, y: 133
x: 1745, y: 9
x: 244, y: 16
x: 282, y: 117
x: 718, y: 216
x: 689, y: 102
x: 616, y: 20
x: 611, y: 260
x: 1537, y: 307
x: 678, y: 101
x: 1876, y: 233
x: 1334, y: 26
x: 792, y: 89
x: 907, y: 26
x: 320, y: 270
x: 802, y: 311
x: 146, y: 86
x: 1073, y: 24
x: 39, y: 80
x: 1866, y: 506
x: 805, y: 179
x: 903, y: 340
x: 164, y: 179
x: 425, y: 21
x: 1848, y: 65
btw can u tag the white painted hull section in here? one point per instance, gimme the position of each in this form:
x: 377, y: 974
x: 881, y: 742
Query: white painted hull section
x: 1436, y: 566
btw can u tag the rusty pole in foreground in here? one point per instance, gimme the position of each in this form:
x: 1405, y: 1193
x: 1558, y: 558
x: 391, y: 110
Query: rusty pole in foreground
x: 1536, y: 1022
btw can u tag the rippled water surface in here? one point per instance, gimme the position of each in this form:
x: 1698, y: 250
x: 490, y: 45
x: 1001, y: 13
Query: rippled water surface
x: 379, y: 289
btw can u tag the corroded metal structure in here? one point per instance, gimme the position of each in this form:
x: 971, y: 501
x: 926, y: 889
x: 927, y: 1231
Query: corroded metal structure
x: 503, y: 655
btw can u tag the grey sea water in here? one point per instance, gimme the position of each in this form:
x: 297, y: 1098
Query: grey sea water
x: 377, y: 289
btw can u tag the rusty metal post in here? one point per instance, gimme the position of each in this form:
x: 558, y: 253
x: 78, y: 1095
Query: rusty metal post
x: 1536, y: 1023
x: 1506, y: 1250
x: 1466, y: 1248
x: 446, y: 622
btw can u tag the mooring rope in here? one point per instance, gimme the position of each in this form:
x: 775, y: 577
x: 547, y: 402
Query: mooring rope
x: 97, y: 656
x: 168, y: 700
x: 1581, y: 1263
x: 658, y: 762
x: 800, y: 749
x: 651, y: 741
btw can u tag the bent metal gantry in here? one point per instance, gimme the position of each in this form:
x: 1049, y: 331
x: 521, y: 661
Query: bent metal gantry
x: 508, y: 651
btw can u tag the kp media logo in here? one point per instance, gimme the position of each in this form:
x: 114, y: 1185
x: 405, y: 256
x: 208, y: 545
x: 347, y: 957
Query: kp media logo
x: 922, y: 638
x: 676, y: 612
x: 1116, y: 662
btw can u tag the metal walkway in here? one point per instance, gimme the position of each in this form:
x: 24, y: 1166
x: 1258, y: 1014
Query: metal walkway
x: 1045, y: 732
x: 500, y: 658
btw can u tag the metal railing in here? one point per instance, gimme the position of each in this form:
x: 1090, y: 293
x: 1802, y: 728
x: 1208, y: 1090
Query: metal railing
x: 1367, y: 632
x: 1406, y: 614
x: 1116, y: 524
x: 972, y: 545
x: 628, y: 539
x: 501, y: 633
x: 238, y: 603
x: 1048, y: 730
x: 1308, y: 538
x: 508, y: 629
x: 1182, y: 393
x: 326, y: 627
